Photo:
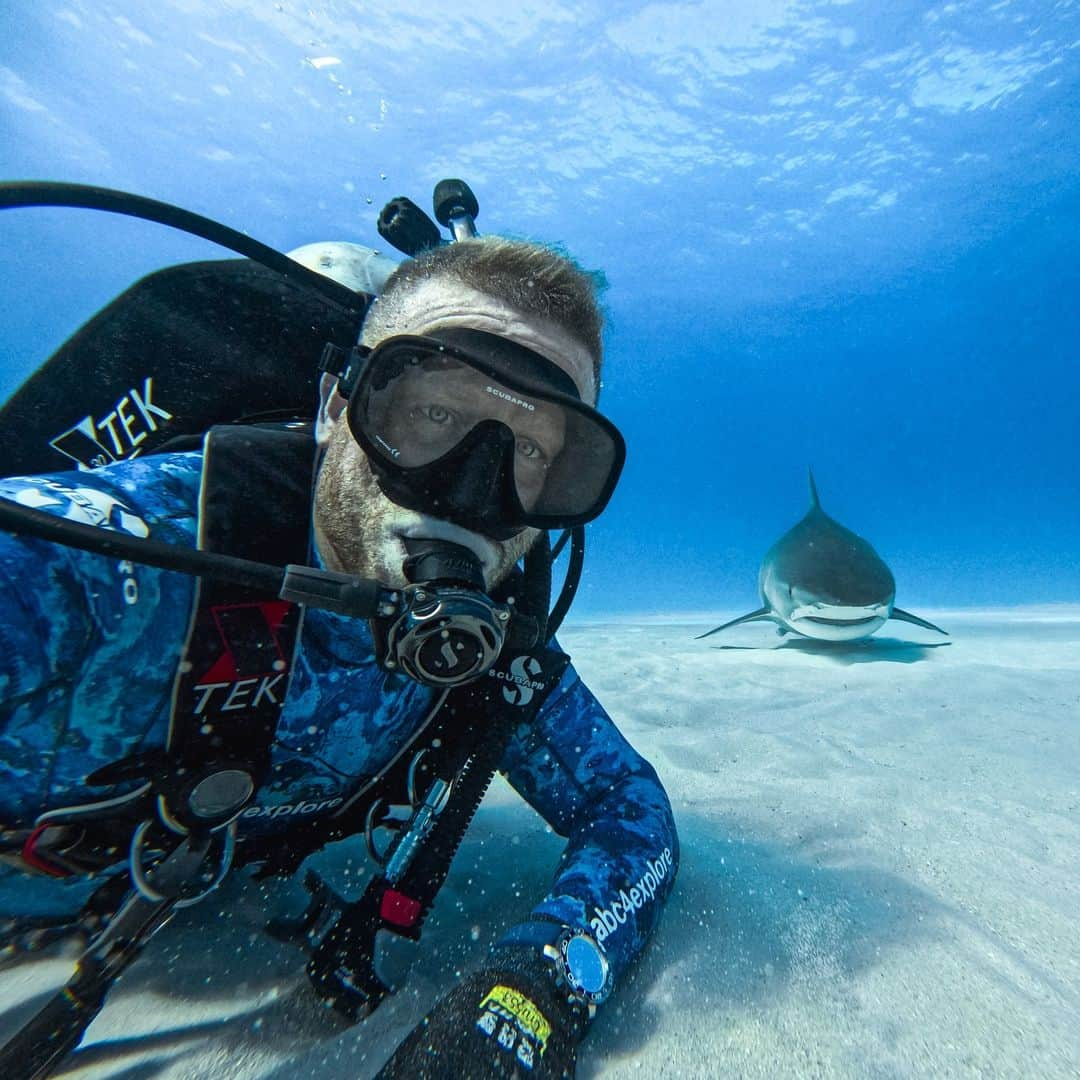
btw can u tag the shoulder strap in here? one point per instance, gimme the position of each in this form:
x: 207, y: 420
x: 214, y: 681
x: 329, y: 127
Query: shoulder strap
x: 231, y: 684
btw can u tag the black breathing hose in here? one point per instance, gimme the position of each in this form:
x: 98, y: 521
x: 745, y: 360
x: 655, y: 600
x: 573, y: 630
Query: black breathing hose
x: 25, y: 193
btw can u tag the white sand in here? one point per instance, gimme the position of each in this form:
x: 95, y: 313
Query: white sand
x: 879, y: 876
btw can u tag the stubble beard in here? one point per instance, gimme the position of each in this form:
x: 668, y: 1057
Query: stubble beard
x: 357, y: 528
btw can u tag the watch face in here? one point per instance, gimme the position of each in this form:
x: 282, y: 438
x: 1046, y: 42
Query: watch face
x: 586, y: 966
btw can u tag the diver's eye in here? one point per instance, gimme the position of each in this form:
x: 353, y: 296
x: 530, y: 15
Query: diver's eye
x: 532, y: 453
x: 435, y: 413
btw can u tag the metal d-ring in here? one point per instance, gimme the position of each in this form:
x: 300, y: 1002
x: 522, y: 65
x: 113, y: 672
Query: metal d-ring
x: 180, y: 873
x: 410, y: 782
x: 370, y: 826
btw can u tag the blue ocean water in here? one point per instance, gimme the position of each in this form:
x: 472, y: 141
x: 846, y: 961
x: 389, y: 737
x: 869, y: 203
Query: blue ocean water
x: 836, y: 234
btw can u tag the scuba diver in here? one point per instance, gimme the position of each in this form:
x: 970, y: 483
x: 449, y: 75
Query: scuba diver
x: 158, y: 729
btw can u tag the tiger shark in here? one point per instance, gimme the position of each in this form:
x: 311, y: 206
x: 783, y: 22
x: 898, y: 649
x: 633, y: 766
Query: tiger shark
x: 823, y: 581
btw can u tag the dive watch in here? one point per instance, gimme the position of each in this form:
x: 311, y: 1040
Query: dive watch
x: 580, y: 965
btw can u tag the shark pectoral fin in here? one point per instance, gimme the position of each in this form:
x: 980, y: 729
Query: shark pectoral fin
x: 761, y: 613
x: 906, y: 616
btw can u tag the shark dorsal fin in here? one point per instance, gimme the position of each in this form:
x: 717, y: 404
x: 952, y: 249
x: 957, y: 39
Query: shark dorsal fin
x: 815, y: 502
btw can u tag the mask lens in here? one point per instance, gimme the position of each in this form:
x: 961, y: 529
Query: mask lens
x: 423, y: 405
x: 417, y: 404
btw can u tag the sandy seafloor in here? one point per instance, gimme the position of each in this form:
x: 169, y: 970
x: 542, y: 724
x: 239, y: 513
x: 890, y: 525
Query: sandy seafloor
x: 880, y: 876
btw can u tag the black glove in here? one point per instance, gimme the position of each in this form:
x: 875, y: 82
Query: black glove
x: 506, y: 1020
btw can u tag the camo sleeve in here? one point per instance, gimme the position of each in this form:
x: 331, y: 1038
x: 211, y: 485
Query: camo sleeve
x: 578, y: 771
x: 68, y: 620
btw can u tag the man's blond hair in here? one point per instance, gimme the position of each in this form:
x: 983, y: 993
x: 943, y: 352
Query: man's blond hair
x: 533, y: 280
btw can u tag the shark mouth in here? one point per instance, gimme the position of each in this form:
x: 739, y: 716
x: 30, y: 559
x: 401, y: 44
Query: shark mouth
x: 822, y: 621
x: 837, y: 615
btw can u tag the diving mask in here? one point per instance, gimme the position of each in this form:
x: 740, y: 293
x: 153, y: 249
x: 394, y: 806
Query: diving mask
x: 475, y: 429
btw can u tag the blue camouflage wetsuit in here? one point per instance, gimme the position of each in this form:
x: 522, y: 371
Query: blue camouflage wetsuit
x: 88, y: 650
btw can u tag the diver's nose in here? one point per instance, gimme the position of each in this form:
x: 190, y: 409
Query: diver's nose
x: 481, y: 474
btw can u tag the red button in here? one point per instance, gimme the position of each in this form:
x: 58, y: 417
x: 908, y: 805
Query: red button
x: 399, y: 909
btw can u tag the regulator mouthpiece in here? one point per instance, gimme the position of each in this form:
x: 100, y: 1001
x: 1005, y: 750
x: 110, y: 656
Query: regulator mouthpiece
x: 449, y: 631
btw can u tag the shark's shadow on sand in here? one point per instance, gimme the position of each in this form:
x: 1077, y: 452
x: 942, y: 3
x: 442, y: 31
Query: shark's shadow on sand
x: 864, y: 651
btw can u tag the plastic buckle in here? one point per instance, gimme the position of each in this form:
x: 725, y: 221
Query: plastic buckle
x: 344, y: 364
x: 366, y: 951
x: 333, y: 359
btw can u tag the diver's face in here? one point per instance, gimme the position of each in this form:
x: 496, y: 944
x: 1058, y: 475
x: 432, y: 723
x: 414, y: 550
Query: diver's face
x: 357, y: 528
